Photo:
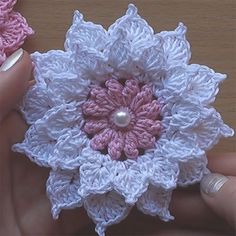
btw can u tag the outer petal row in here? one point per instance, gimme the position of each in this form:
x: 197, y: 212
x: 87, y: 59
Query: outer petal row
x: 57, y: 83
x: 193, y: 83
x: 56, y: 139
x: 104, y: 209
x: 129, y: 178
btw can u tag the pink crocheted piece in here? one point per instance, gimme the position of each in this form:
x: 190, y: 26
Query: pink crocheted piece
x: 13, y: 29
x: 136, y: 100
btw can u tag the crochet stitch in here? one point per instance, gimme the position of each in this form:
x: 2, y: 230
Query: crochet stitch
x: 121, y: 118
x: 13, y: 29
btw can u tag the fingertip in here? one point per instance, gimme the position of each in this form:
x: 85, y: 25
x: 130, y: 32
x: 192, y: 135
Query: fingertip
x: 14, y: 81
x: 23, y: 65
x: 219, y: 193
x: 224, y: 163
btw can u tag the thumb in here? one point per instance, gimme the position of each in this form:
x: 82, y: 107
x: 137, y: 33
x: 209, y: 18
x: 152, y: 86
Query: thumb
x: 15, y: 74
x: 219, y: 193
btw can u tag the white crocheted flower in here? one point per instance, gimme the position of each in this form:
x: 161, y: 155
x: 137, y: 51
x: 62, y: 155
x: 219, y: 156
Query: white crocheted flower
x: 121, y: 118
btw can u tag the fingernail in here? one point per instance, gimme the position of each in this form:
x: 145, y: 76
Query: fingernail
x: 212, y: 183
x: 12, y: 60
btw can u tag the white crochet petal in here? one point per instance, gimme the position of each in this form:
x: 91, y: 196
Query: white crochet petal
x: 97, y: 177
x: 36, y: 103
x: 138, y: 32
x: 62, y: 190
x: 93, y: 156
x: 174, y: 83
x: 176, y: 47
x: 119, y: 52
x: 62, y: 118
x: 38, y: 146
x: 180, y: 148
x: 155, y: 202
x: 209, y: 129
x: 54, y: 140
x: 192, y: 171
x: 85, y: 34
x: 161, y: 175
x: 68, y: 89
x: 151, y: 61
x: 41, y: 98
x: 203, y: 84
x: 92, y: 65
x: 131, y: 182
x: 193, y: 83
x: 67, y: 150
x: 184, y: 115
x: 106, y: 209
x: 53, y: 70
x: 54, y: 63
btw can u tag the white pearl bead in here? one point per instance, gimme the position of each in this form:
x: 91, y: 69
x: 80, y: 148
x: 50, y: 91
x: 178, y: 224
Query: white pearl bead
x: 121, y: 118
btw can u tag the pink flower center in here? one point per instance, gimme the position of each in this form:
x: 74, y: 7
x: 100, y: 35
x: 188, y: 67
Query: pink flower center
x: 122, y: 119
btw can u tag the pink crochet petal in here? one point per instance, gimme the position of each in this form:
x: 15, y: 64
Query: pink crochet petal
x: 144, y: 139
x: 101, y: 97
x: 94, y: 126
x: 143, y: 97
x: 114, y: 90
x: 150, y: 110
x: 101, y: 140
x: 116, y: 146
x: 131, y: 145
x: 90, y: 108
x: 151, y: 126
x: 130, y: 90
x: 14, y: 32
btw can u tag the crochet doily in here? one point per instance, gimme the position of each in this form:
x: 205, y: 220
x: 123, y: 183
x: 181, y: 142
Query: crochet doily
x: 121, y: 118
x: 13, y: 29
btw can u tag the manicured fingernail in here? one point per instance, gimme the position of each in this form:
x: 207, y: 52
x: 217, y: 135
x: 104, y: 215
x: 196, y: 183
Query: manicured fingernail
x: 12, y: 60
x: 212, y: 183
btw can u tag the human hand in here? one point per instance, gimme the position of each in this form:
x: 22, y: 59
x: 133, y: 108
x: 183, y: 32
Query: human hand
x: 24, y: 207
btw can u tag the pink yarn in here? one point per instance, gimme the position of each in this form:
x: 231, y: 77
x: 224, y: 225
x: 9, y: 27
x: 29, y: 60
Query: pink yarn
x: 143, y: 128
x: 13, y: 29
x: 6, y: 6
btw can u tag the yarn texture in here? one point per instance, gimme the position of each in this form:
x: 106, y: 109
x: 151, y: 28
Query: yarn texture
x: 13, y: 29
x: 121, y: 118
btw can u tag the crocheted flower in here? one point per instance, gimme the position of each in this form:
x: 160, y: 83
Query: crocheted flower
x: 121, y: 118
x: 13, y: 29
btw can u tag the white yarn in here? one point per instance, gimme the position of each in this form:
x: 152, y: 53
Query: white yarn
x: 81, y: 176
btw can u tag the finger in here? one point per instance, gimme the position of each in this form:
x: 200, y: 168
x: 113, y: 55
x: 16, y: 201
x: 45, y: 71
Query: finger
x: 15, y: 74
x: 219, y: 193
x: 190, y: 211
x: 224, y: 163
